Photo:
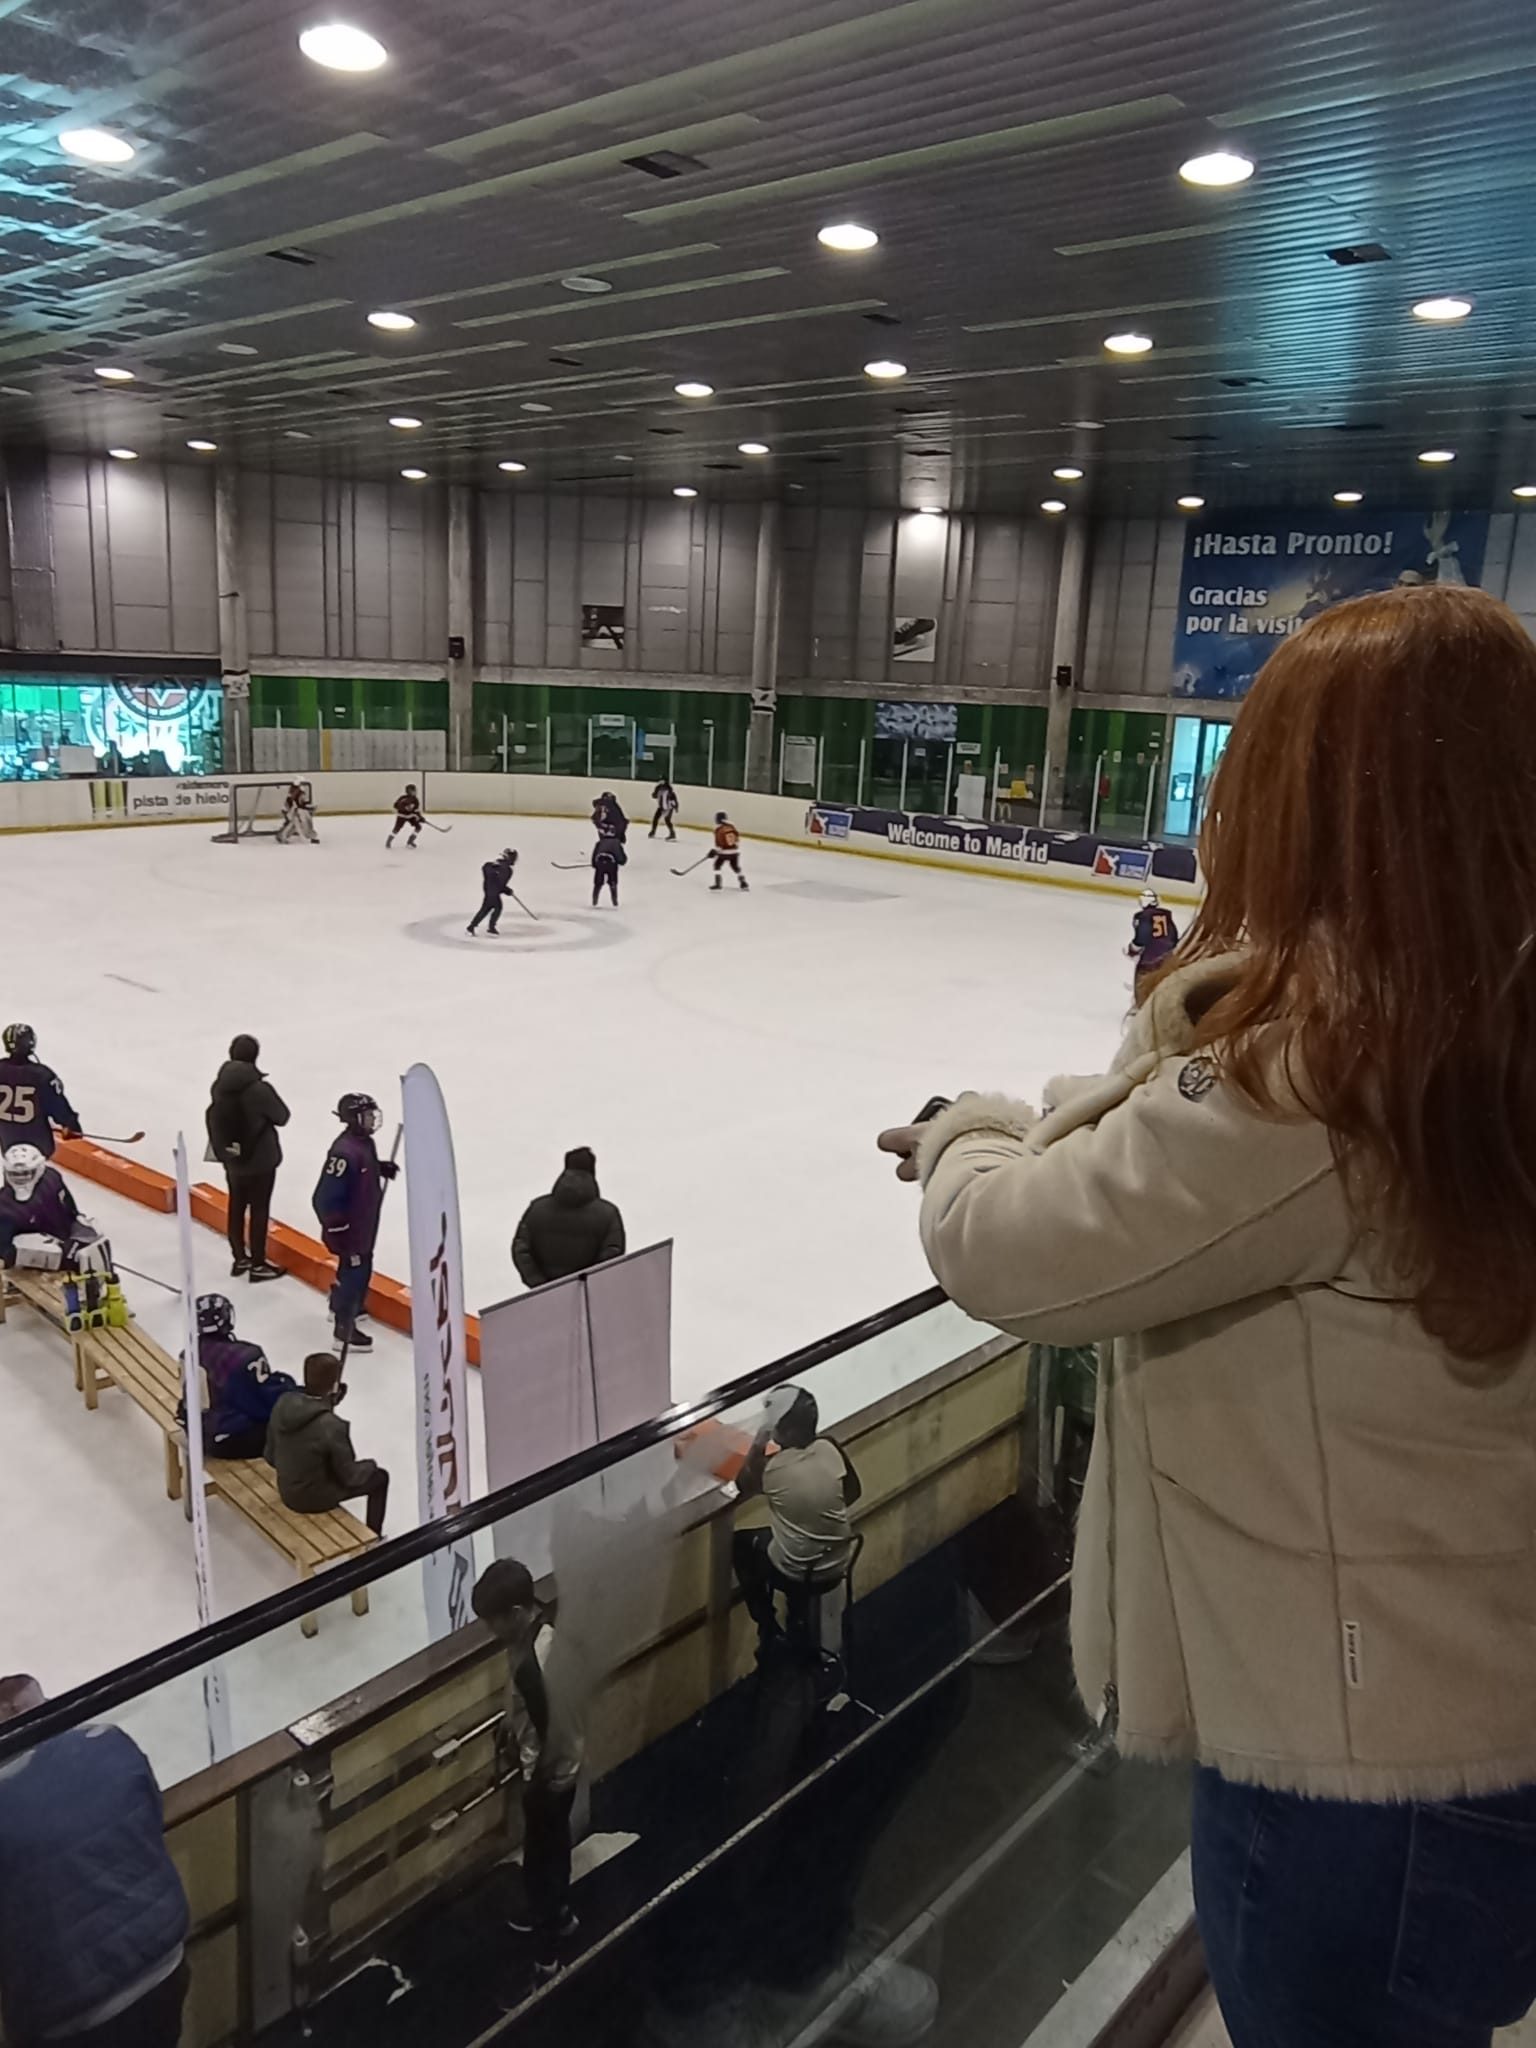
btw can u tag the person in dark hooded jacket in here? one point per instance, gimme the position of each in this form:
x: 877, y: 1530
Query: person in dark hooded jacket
x: 245, y: 1114
x: 310, y: 1449
x: 570, y: 1228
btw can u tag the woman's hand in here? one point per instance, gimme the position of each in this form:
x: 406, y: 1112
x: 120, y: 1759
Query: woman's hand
x: 902, y: 1140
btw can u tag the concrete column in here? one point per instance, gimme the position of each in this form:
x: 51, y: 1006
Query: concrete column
x: 1066, y: 658
x: 461, y: 622
x: 765, y: 650
x: 234, y: 640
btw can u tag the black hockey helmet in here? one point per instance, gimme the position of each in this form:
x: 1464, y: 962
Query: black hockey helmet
x: 509, y: 856
x: 721, y: 818
x: 215, y: 1315
x: 20, y: 1041
x: 360, y: 1113
x: 410, y: 789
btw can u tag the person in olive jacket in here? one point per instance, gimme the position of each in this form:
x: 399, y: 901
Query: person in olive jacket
x: 310, y: 1449
x: 245, y: 1114
x: 570, y: 1228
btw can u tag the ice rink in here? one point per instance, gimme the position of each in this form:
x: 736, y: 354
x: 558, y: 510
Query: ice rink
x: 729, y: 1058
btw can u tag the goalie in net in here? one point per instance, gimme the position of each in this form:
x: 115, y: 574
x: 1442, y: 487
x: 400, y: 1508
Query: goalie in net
x: 268, y: 810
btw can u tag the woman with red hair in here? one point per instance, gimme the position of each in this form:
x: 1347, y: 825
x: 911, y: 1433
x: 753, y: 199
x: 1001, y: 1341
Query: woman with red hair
x: 1302, y: 1203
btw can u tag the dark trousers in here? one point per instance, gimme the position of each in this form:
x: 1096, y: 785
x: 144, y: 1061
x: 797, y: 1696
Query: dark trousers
x: 413, y: 825
x: 250, y: 1197
x: 754, y: 1575
x: 547, y: 1863
x: 490, y: 908
x: 663, y: 817
x: 1332, y: 1925
x: 605, y: 878
x: 153, y: 2021
x: 375, y: 1496
x: 723, y: 861
x: 349, y: 1293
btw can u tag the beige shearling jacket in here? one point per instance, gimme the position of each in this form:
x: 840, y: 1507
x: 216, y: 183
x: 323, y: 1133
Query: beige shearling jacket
x: 1307, y: 1548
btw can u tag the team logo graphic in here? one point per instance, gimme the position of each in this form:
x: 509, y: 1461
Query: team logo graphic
x: 1197, y: 1078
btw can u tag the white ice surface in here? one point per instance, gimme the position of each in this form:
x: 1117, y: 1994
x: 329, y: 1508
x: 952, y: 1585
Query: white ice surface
x: 729, y: 1057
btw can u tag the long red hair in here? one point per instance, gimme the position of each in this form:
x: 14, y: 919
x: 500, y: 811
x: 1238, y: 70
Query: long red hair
x: 1370, y: 849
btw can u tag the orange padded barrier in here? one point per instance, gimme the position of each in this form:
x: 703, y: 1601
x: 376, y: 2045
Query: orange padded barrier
x: 123, y: 1176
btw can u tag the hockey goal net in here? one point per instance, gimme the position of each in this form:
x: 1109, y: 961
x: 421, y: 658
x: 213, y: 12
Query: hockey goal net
x: 256, y: 811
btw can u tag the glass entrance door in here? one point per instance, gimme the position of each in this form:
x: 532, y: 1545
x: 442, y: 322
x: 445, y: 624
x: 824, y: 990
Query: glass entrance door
x: 1198, y: 744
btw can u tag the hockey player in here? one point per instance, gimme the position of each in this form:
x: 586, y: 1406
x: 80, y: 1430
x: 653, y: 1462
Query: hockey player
x: 608, y: 815
x: 41, y: 1227
x: 608, y: 856
x: 1153, y: 935
x: 727, y: 853
x: 408, y: 815
x: 242, y: 1388
x: 32, y: 1098
x: 298, y: 817
x: 496, y: 882
x: 348, y: 1197
x: 664, y: 796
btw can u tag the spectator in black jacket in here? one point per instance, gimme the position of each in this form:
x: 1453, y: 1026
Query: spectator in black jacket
x: 570, y: 1228
x: 245, y: 1114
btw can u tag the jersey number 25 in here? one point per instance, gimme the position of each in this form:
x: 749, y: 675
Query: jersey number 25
x: 17, y: 1105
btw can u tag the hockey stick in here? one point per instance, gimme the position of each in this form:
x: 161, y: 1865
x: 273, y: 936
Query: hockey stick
x: 523, y: 906
x: 436, y: 828
x: 569, y: 867
x: 346, y: 1342
x: 697, y: 864
x: 98, y: 1138
x: 119, y: 1267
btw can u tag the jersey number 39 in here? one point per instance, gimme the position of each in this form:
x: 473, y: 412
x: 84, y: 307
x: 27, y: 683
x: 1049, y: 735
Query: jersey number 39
x: 17, y: 1105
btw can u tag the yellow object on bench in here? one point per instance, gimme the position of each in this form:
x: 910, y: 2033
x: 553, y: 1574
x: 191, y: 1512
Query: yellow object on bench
x: 308, y: 1541
x: 150, y: 1377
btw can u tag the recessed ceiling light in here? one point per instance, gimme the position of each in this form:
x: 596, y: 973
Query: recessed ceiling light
x: 124, y: 454
x: 847, y: 236
x: 753, y: 448
x: 623, y: 458
x: 589, y: 287
x: 512, y: 468
x: 237, y: 348
x: 296, y: 434
x: 96, y: 146
x: 407, y: 422
x: 885, y: 371
x: 1128, y: 344
x: 1348, y: 497
x: 204, y: 447
x: 1053, y: 505
x: 339, y: 47
x: 533, y: 405
x: 414, y: 476
x: 1067, y: 474
x: 1218, y: 167
x: 1524, y: 491
x: 1438, y: 455
x: 1442, y: 312
x: 1087, y: 426
x: 931, y: 511
x: 392, y: 323
x: 684, y: 491
x: 111, y: 373
x: 691, y: 388
x: 1191, y: 503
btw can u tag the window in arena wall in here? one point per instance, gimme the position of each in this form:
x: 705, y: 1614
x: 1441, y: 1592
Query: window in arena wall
x: 123, y: 725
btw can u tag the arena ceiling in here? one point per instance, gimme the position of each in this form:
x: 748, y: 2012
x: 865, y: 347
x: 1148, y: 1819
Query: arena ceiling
x: 1019, y: 160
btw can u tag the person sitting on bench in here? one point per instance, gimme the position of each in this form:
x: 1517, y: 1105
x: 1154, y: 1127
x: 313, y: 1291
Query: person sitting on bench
x: 310, y: 1449
x: 243, y: 1390
x: 809, y: 1486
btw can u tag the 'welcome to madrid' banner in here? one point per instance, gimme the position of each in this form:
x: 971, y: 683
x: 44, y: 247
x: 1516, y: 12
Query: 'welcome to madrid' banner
x: 1010, y: 845
x: 1252, y: 579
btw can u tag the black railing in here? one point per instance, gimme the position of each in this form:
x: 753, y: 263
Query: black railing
x: 98, y: 1696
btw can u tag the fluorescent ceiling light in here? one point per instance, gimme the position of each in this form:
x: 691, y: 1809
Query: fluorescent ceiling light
x: 96, y: 146
x: 124, y: 454
x: 847, y: 236
x: 533, y: 405
x: 691, y: 388
x: 237, y: 348
x: 407, y: 422
x: 111, y: 373
x: 1348, y: 497
x: 1218, y: 167
x: 1128, y: 344
x: 1191, y: 503
x: 1067, y: 474
x: 1441, y: 312
x: 340, y: 47
x: 512, y: 468
x: 588, y: 287
x: 204, y: 447
x: 753, y: 448
x: 1524, y: 491
x: 1087, y: 426
x: 1438, y: 455
x: 684, y: 491
x: 885, y: 371
x: 1052, y: 505
x: 392, y: 323
x: 931, y: 511
x: 414, y: 476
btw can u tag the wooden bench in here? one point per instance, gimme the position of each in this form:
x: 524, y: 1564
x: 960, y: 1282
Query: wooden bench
x: 309, y: 1542
x: 130, y: 1359
x: 41, y: 1291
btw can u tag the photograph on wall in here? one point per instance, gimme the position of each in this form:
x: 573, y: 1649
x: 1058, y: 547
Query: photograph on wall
x: 912, y: 639
x: 895, y: 721
x: 1252, y: 579
x: 602, y: 625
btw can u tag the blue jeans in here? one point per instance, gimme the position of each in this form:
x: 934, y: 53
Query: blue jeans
x: 1333, y: 1925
